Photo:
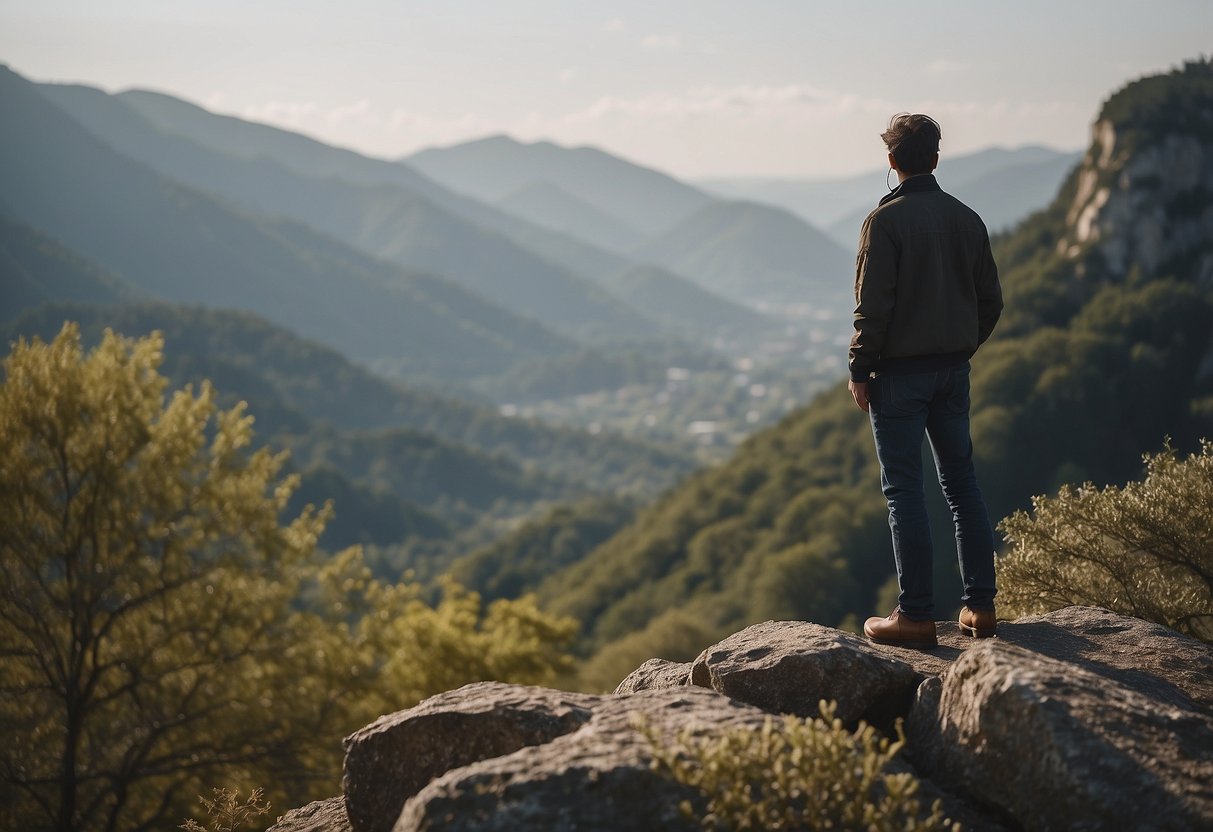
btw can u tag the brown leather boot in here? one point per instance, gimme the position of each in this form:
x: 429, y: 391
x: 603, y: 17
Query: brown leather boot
x: 978, y: 623
x: 900, y: 631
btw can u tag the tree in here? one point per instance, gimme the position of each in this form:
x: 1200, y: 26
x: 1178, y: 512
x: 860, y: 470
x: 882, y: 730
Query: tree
x: 163, y: 632
x: 1144, y: 550
x: 143, y: 569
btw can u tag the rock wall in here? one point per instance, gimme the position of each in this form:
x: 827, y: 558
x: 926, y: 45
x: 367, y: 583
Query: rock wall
x: 1144, y: 208
x: 1080, y: 719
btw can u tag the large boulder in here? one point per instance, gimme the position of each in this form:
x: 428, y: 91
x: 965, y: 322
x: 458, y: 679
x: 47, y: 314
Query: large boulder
x: 320, y: 816
x: 1140, y: 655
x: 790, y: 666
x: 597, y: 778
x: 1057, y: 746
x: 393, y: 758
x: 656, y: 674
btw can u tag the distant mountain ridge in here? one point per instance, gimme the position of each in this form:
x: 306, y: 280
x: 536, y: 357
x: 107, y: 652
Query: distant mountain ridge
x: 384, y: 221
x: 391, y: 210
x: 549, y: 205
x: 750, y: 252
x: 172, y: 242
x: 1003, y: 185
x: 496, y: 166
x: 309, y: 157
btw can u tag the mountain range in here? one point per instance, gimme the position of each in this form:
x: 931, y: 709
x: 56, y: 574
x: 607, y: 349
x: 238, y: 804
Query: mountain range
x: 285, y: 270
x: 1003, y: 185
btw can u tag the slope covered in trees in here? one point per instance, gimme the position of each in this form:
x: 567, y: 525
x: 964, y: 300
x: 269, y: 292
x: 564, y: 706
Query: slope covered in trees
x: 1096, y: 362
x: 386, y: 450
x: 166, y: 629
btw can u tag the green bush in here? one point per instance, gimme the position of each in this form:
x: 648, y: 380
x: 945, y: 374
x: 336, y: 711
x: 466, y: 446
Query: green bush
x: 796, y: 774
x: 1144, y: 550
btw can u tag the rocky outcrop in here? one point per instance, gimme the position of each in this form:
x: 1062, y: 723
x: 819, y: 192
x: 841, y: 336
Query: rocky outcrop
x: 394, y: 757
x: 790, y: 666
x: 1079, y: 719
x: 596, y: 779
x: 1058, y: 747
x: 656, y: 674
x: 1143, y: 207
x: 320, y: 816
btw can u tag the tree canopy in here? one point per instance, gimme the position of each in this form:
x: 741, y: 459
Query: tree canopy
x: 164, y: 630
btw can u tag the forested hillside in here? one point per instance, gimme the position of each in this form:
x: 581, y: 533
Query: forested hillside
x: 401, y: 464
x: 1103, y: 352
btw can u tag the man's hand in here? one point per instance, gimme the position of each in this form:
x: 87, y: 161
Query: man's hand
x: 859, y: 392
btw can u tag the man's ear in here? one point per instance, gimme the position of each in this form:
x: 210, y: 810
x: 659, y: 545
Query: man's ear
x: 892, y: 162
x: 935, y: 161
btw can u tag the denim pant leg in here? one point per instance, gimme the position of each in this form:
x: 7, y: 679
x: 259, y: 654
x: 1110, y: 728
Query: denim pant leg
x: 898, y: 410
x: 948, y: 431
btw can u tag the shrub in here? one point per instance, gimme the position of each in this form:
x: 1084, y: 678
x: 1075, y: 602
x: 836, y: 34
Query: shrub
x: 1144, y: 550
x: 227, y: 813
x: 796, y: 774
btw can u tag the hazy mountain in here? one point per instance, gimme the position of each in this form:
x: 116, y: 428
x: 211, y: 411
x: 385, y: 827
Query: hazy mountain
x: 178, y: 244
x: 1103, y: 350
x: 250, y: 140
x: 682, y: 305
x: 832, y: 204
x: 754, y: 253
x: 495, y: 167
x: 1002, y: 195
x: 553, y: 207
x: 35, y: 269
x: 258, y: 142
x: 386, y: 221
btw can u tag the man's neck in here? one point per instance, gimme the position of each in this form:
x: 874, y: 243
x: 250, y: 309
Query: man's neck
x: 902, y: 177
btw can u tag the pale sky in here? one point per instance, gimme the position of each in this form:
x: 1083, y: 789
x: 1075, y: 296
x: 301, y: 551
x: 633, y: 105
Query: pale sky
x: 693, y: 87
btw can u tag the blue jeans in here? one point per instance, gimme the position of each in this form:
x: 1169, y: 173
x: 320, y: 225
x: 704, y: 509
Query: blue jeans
x: 902, y: 408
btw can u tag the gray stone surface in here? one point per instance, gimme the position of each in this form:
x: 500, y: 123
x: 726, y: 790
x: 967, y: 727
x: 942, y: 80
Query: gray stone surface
x: 394, y: 757
x: 1079, y: 719
x: 656, y: 674
x: 1148, y: 658
x: 320, y: 816
x: 1057, y: 746
x: 596, y: 779
x: 789, y: 666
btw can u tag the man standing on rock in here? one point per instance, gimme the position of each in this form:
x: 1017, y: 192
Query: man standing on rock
x: 927, y: 295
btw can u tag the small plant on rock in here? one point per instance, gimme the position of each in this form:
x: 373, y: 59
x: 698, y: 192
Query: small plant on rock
x: 796, y: 774
x: 227, y: 812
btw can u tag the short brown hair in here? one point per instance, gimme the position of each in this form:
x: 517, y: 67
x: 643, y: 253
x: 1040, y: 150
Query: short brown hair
x: 914, y: 141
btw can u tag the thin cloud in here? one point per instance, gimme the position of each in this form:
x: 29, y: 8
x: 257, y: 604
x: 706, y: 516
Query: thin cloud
x: 718, y: 99
x: 944, y: 66
x: 664, y: 43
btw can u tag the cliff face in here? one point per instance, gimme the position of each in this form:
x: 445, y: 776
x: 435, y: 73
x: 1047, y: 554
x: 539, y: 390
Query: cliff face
x: 1079, y: 719
x: 1143, y: 200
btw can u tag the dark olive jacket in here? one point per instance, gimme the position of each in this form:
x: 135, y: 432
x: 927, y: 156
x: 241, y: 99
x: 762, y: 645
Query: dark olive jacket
x: 926, y: 286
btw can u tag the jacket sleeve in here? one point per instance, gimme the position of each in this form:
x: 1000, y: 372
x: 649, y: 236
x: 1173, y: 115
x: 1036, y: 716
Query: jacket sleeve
x: 875, y: 295
x: 989, y: 292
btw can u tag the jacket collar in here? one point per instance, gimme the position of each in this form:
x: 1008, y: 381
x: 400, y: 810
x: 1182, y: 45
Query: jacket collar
x: 915, y: 184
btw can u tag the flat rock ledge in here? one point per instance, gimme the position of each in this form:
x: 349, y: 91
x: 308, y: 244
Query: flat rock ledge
x: 790, y: 666
x: 1079, y: 719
